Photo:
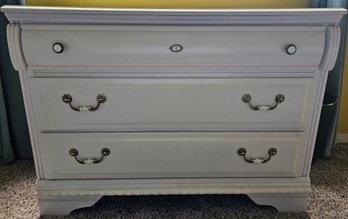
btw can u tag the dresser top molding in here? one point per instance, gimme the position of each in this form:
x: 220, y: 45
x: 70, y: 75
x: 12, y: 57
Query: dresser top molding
x: 309, y: 16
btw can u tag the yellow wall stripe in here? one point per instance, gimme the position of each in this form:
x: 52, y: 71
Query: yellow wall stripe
x: 175, y: 3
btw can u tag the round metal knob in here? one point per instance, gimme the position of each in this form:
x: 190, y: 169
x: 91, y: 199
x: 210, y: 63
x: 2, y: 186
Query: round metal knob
x: 58, y: 48
x: 291, y: 49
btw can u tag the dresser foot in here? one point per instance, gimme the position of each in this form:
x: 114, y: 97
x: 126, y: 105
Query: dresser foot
x: 65, y: 205
x: 282, y: 202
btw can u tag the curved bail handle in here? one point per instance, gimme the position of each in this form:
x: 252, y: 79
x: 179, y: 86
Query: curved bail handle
x: 101, y: 98
x: 279, y: 98
x: 104, y: 152
x: 271, y: 152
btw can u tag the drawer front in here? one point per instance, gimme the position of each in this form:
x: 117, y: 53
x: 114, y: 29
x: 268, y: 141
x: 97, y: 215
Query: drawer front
x: 171, y: 104
x: 151, y: 46
x: 170, y: 155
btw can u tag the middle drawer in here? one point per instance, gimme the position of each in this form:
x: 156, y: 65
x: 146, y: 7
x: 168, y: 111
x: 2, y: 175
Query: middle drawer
x: 148, y: 104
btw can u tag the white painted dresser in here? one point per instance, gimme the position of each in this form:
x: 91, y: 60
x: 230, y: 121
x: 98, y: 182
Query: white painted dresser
x: 143, y: 102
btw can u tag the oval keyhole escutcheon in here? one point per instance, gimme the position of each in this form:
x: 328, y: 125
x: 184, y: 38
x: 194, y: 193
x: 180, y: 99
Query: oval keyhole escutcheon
x: 176, y: 48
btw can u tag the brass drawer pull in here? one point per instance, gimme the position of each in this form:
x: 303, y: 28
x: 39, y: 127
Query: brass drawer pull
x: 67, y: 98
x: 271, y: 152
x: 265, y: 107
x: 104, y: 152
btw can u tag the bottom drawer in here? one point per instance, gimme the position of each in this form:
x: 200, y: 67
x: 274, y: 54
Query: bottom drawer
x: 170, y: 155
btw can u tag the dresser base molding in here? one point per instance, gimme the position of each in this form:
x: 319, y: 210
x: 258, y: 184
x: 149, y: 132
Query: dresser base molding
x: 65, y: 204
x: 60, y: 197
x: 282, y: 202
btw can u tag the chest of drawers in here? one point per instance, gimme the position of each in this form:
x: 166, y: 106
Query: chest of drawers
x: 143, y: 102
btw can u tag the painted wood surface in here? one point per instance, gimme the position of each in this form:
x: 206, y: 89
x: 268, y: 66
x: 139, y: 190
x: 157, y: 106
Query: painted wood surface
x: 208, y: 93
x: 71, y: 15
x: 170, y: 155
x: 139, y: 46
x: 163, y: 104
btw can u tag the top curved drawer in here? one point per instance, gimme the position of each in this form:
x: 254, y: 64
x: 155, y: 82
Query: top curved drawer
x: 72, y: 46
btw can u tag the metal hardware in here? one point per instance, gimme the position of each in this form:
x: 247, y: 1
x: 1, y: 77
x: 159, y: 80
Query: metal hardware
x: 104, y: 152
x: 291, y: 49
x: 329, y: 100
x: 58, y: 48
x: 67, y: 98
x: 176, y: 48
x: 271, y: 152
x: 246, y: 98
